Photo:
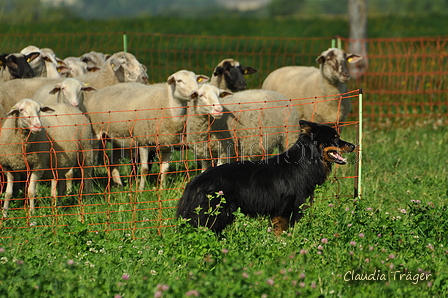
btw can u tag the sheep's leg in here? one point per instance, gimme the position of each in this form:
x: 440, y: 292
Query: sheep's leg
x: 86, y: 174
x: 54, y: 193
x: 164, y: 166
x: 69, y: 181
x: 144, y: 167
x: 115, y: 172
x: 32, y: 188
x: 57, y: 188
x: 8, y: 192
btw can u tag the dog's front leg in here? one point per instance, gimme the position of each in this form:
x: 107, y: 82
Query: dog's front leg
x: 280, y: 224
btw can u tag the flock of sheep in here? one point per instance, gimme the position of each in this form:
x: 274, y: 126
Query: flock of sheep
x: 56, y: 115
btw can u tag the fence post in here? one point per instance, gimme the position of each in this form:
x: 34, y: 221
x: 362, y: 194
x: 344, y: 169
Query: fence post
x: 336, y: 42
x: 358, y: 180
x: 125, y: 42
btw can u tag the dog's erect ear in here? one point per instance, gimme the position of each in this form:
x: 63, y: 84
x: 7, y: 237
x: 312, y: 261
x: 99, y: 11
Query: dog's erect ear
x: 307, y: 127
x: 304, y: 124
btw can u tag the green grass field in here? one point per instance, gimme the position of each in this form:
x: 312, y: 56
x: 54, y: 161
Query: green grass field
x: 391, y: 243
x: 382, y: 26
x: 395, y: 236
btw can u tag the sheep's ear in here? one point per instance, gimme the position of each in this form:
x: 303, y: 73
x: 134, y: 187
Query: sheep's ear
x: 11, y: 61
x: 202, y: 78
x: 46, y: 109
x: 46, y: 58
x: 224, y: 93
x: 218, y: 71
x: 115, y: 64
x: 248, y: 70
x: 13, y: 110
x: 353, y: 58
x: 171, y: 80
x: 56, y: 89
x: 87, y: 88
x: 93, y: 69
x: 32, y: 56
x: 62, y: 69
x: 320, y: 59
x: 60, y: 61
x: 2, y: 59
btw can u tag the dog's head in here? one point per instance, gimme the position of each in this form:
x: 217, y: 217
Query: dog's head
x: 327, y: 140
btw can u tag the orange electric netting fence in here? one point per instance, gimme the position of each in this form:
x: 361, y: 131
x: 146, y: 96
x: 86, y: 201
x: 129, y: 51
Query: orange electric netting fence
x: 91, y: 170
x: 406, y: 78
x: 406, y: 81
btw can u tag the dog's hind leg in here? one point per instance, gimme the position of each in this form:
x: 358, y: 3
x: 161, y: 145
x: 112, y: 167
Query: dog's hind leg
x: 280, y: 224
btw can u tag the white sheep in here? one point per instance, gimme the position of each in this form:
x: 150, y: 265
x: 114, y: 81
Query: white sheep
x: 16, y: 66
x: 77, y: 68
x: 44, y: 152
x: 255, y: 122
x: 70, y: 91
x: 136, y: 116
x: 24, y: 145
x: 228, y: 75
x: 6, y: 101
x: 2, y: 115
x: 120, y: 67
x: 297, y: 82
x: 70, y: 134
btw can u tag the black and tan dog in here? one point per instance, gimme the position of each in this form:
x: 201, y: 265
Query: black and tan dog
x: 277, y: 186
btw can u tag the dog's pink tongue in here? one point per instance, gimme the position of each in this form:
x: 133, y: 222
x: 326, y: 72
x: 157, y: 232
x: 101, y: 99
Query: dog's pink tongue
x: 338, y: 157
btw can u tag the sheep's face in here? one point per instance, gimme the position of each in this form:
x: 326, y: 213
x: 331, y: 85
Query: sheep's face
x: 334, y: 64
x: 127, y: 68
x: 70, y: 91
x: 18, y: 65
x: 232, y: 73
x: 208, y: 101
x: 185, y: 84
x: 27, y: 112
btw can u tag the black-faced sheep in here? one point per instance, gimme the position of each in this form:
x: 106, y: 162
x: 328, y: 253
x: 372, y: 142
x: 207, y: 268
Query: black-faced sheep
x: 229, y: 75
x: 16, y: 66
x: 297, y: 82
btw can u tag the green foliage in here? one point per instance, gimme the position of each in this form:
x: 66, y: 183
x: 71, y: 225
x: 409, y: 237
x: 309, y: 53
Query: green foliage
x: 285, y: 7
x: 16, y: 19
